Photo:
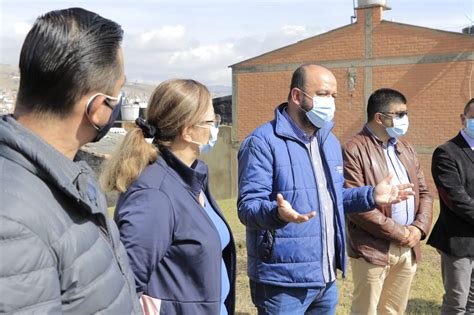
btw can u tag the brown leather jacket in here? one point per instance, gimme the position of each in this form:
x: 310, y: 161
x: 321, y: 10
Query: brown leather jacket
x: 369, y: 233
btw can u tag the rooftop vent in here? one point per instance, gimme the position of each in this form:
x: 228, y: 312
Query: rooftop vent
x: 361, y: 4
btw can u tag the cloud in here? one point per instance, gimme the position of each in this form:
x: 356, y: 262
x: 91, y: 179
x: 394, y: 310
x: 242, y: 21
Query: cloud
x: 22, y: 28
x: 257, y: 44
x: 203, y: 40
x: 206, y: 63
x: 165, y: 38
x: 167, y: 32
x: 292, y: 30
x: 10, y: 48
x: 203, y: 54
x: 169, y: 52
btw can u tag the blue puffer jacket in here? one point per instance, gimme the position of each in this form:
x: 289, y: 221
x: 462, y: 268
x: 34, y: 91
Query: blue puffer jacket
x: 272, y: 160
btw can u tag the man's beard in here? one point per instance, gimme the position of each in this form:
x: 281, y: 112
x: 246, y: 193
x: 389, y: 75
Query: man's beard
x: 304, y: 119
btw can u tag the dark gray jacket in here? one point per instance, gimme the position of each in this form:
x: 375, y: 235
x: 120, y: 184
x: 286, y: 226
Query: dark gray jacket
x: 59, y: 251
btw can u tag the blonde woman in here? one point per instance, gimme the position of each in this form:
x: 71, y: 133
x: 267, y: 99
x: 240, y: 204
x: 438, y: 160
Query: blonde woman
x: 178, y: 243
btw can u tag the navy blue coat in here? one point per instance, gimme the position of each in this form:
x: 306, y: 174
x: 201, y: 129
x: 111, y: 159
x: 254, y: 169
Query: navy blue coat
x: 173, y: 247
x: 272, y: 160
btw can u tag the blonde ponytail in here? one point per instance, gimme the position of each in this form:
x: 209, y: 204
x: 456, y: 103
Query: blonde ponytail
x: 129, y: 160
x: 173, y: 105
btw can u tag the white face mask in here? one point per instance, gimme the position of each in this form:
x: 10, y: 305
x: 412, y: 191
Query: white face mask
x: 469, y: 130
x: 400, y: 127
x: 323, y: 110
x: 206, y: 147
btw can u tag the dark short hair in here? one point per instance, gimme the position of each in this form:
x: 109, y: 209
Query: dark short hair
x: 381, y: 100
x: 67, y: 54
x: 298, y: 79
x: 468, y: 106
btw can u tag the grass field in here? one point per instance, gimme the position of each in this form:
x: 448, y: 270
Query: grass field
x: 425, y: 295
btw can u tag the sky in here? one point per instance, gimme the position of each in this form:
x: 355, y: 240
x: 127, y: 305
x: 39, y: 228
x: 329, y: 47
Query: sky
x: 199, y: 39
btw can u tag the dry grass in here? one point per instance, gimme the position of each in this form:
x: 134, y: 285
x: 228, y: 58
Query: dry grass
x: 426, y: 291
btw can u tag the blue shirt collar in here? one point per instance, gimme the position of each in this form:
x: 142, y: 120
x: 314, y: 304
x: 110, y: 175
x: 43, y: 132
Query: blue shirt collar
x: 283, y: 128
x: 469, y: 140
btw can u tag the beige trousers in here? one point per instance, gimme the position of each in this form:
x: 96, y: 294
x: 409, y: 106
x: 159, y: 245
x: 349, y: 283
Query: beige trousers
x: 383, y: 290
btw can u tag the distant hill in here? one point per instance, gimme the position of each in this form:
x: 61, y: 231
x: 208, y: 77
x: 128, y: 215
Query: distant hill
x: 140, y: 90
x: 220, y: 90
x: 9, y: 80
x: 145, y: 89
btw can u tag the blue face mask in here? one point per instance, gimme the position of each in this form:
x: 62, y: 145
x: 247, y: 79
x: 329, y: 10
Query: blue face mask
x: 206, y: 147
x: 109, y: 100
x: 399, y: 128
x: 469, y: 130
x: 323, y: 110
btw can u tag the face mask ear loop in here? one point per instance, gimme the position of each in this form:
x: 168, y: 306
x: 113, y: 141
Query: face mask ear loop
x: 87, y: 109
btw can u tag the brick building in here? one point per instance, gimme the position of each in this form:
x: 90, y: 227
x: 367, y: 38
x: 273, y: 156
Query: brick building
x: 433, y: 68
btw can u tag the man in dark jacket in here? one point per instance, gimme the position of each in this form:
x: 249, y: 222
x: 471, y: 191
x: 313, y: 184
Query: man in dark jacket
x: 60, y: 253
x: 292, y: 200
x: 453, y: 234
x: 384, y: 243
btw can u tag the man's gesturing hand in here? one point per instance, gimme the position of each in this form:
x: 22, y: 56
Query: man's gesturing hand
x: 288, y: 214
x: 387, y: 194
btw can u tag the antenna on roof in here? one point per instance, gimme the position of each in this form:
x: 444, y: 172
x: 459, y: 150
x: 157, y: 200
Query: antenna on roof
x: 469, y: 18
x: 469, y: 29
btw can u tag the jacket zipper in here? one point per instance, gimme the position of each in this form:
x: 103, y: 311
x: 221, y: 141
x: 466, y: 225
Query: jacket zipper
x: 103, y: 232
x: 336, y: 212
x: 218, y: 238
x: 319, y: 203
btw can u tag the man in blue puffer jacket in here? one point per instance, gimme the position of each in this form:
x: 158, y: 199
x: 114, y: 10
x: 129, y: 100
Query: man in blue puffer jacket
x: 292, y: 200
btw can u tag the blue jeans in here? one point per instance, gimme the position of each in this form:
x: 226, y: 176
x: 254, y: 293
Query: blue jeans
x: 270, y: 299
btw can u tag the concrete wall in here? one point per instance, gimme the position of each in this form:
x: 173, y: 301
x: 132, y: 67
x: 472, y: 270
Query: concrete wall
x: 222, y: 162
x: 95, y: 162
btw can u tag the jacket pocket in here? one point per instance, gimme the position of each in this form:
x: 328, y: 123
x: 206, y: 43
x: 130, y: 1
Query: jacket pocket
x: 266, y: 247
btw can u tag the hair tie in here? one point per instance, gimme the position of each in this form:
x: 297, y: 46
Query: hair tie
x: 148, y: 130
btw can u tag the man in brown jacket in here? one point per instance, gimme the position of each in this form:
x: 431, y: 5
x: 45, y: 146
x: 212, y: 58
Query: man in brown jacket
x: 384, y: 244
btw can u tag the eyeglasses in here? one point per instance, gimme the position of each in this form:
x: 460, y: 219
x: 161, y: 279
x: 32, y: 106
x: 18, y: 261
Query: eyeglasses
x: 214, y: 122
x: 400, y: 114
